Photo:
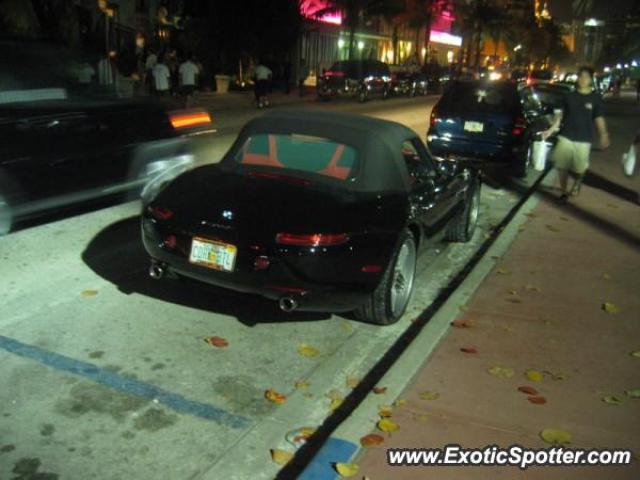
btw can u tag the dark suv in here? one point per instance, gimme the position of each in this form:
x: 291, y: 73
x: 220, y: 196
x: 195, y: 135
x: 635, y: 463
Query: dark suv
x: 357, y: 78
x: 493, y: 122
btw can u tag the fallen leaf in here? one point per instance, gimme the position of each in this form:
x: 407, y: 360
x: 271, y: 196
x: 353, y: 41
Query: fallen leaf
x: 89, y: 293
x: 462, y: 323
x: 513, y: 292
x: 301, y: 384
x: 275, y: 397
x: 217, y: 342
x: 635, y: 354
x: 469, y: 350
x: 400, y: 402
x: 502, y: 271
x: 352, y: 382
x: 606, y: 276
x: 346, y: 469
x: 334, y: 394
x: 335, y: 403
x: 463, y: 308
x: 531, y: 215
x: 531, y: 288
x: 610, y: 307
x: 379, y: 390
x: 502, y: 372
x: 552, y: 228
x: 307, y: 350
x: 371, y: 440
x: 555, y: 376
x: 427, y: 395
x: 537, y: 400
x: 533, y: 375
x: 528, y: 390
x: 385, y: 411
x: 635, y: 393
x: 612, y: 400
x: 420, y: 418
x: 388, y: 426
x: 281, y: 457
x: 555, y: 436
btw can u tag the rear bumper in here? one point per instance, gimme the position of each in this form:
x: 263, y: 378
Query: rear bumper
x: 483, y: 152
x: 281, y: 279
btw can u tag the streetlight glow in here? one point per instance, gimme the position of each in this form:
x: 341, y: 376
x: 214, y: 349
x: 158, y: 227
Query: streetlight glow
x: 340, y: 43
x: 360, y: 45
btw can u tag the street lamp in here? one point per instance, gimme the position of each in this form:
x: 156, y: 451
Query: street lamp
x: 517, y: 47
x: 340, y: 43
x: 360, y: 45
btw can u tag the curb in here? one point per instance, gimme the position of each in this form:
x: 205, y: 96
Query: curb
x: 344, y: 444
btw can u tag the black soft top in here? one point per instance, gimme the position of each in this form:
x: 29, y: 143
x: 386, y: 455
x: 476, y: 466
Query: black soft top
x: 378, y: 143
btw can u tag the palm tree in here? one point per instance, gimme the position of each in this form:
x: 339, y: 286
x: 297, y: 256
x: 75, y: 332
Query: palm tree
x: 478, y: 18
x: 355, y: 10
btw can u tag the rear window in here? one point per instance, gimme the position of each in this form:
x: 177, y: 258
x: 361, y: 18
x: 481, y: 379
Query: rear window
x: 317, y: 155
x: 484, y: 98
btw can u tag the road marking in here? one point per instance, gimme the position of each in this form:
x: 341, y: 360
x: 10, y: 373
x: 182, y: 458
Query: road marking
x: 123, y: 384
x: 335, y: 450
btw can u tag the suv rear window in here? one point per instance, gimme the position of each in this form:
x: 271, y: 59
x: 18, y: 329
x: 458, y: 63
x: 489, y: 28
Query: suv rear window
x: 304, y: 153
x: 480, y: 98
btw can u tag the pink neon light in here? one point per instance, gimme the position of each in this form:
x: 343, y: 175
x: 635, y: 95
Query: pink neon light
x: 310, y: 8
x: 445, y: 38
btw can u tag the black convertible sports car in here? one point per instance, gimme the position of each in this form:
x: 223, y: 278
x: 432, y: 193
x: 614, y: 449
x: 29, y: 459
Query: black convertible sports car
x: 316, y: 210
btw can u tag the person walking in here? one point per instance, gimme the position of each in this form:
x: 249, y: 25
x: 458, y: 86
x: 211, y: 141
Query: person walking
x: 161, y: 77
x: 575, y: 122
x: 188, y: 77
x: 262, y: 76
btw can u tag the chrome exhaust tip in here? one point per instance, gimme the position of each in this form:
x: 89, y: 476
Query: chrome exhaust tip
x: 156, y: 270
x: 288, y: 304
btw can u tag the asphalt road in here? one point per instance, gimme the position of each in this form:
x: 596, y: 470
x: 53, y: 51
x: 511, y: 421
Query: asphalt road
x: 106, y: 373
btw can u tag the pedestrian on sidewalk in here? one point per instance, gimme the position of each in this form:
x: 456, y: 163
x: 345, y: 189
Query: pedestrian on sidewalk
x: 188, y: 77
x: 575, y: 121
x: 161, y: 77
x: 262, y: 77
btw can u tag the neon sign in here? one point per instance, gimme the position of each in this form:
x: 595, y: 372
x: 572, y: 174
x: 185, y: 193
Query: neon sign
x: 310, y: 8
x: 445, y: 38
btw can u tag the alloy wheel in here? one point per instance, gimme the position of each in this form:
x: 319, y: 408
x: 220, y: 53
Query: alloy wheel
x: 403, y: 277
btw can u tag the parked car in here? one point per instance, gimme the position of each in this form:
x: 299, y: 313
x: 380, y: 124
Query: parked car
x: 539, y: 76
x: 408, y: 83
x: 315, y: 210
x: 492, y: 122
x: 362, y: 79
x: 65, y: 142
x: 551, y: 95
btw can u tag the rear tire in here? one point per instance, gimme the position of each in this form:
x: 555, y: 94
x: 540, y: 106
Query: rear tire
x: 463, y: 226
x: 389, y: 300
x: 523, y: 162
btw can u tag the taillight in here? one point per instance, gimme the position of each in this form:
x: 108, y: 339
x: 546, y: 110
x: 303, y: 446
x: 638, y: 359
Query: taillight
x: 170, y: 242
x: 189, y: 118
x: 311, y: 239
x: 331, y: 73
x: 161, y: 213
x: 519, y: 126
x: 434, y: 117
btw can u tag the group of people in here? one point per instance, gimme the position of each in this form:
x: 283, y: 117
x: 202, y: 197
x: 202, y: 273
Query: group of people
x: 166, y: 75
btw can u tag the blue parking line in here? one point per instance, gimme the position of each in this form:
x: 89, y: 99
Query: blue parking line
x: 130, y: 386
x: 321, y: 467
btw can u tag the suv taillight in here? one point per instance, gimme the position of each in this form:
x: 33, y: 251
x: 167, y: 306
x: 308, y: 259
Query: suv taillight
x: 519, y: 126
x: 434, y: 116
x: 311, y: 239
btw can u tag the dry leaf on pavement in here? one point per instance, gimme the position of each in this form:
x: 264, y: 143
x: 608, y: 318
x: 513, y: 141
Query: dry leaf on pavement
x: 427, y: 395
x: 307, y: 350
x: 469, y: 350
x: 533, y: 375
x: 462, y: 323
x: 552, y: 228
x: 420, y: 417
x: 346, y: 469
x: 335, y: 403
x: 612, y: 400
x: 528, y: 390
x: 302, y: 383
x: 555, y: 436
x: 379, y: 390
x: 385, y: 411
x: 352, y: 382
x: 606, y: 276
x: 275, y: 397
x: 387, y: 425
x: 89, y: 293
x: 537, y: 400
x: 635, y: 393
x: 281, y: 457
x: 635, y: 354
x: 610, y: 307
x: 502, y: 372
x: 502, y: 271
x: 217, y: 341
x: 401, y: 402
x: 371, y: 440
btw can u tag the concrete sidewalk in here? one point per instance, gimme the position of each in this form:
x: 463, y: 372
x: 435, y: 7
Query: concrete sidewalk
x: 542, y: 309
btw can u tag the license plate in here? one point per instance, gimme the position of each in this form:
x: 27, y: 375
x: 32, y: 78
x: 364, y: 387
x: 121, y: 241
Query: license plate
x: 210, y: 254
x: 473, y: 126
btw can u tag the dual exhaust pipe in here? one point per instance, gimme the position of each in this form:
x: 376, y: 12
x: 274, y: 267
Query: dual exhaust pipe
x: 287, y: 304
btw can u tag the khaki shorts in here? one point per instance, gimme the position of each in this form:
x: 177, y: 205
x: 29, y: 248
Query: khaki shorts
x: 572, y: 156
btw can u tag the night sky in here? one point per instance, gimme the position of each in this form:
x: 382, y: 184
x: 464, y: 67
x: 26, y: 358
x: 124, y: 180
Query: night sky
x: 561, y: 9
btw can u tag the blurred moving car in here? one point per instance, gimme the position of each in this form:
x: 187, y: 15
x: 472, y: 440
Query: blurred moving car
x: 67, y: 139
x: 492, y: 122
x: 315, y: 210
x: 362, y: 79
x: 539, y: 76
